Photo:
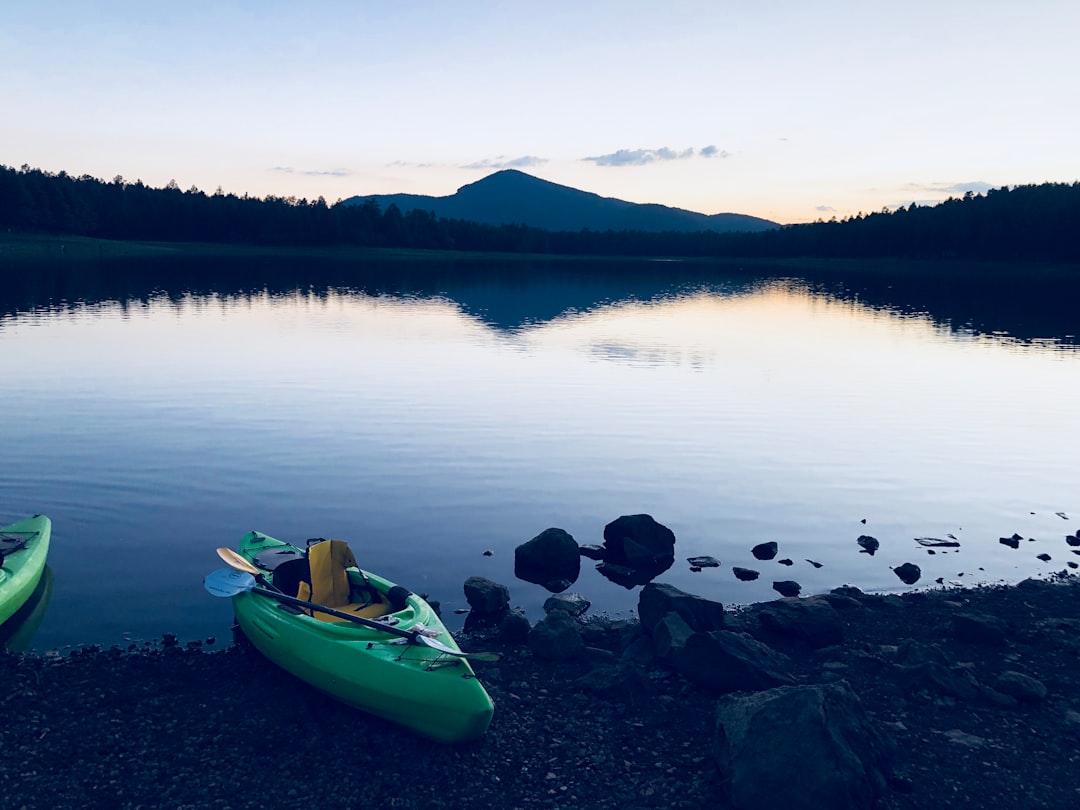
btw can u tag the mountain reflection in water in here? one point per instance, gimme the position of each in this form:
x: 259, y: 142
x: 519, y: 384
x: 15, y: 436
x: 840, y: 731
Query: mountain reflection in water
x: 429, y: 411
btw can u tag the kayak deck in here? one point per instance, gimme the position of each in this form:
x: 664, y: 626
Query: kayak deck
x: 434, y: 693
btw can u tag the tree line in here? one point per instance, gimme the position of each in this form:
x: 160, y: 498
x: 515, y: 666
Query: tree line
x: 1031, y: 222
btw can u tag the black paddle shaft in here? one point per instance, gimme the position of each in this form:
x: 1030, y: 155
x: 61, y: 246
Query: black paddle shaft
x: 339, y: 614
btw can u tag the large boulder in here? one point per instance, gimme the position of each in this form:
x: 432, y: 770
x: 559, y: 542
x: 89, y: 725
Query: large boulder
x: 551, y: 559
x: 669, y: 636
x: 640, y: 543
x: 800, y: 748
x: 621, y: 682
x: 556, y: 637
x: 485, y: 597
x: 813, y: 621
x: 657, y: 599
x: 979, y: 628
x: 722, y: 661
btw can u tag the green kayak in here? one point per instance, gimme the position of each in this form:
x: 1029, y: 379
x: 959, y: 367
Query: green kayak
x: 23, y: 549
x: 429, y: 689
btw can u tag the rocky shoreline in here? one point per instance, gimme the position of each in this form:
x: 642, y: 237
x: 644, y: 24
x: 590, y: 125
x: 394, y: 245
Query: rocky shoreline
x: 962, y: 698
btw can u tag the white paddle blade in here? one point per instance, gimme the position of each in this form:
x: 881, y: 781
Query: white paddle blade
x: 228, y: 582
x: 435, y: 644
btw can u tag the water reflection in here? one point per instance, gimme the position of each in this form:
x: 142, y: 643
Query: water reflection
x: 428, y: 413
x: 1025, y: 304
x: 17, y: 633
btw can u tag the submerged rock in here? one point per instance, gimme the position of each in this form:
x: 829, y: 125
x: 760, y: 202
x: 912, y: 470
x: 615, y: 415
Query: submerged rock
x: 935, y: 542
x: 573, y: 603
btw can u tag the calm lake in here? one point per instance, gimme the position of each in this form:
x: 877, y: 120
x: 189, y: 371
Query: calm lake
x: 430, y: 412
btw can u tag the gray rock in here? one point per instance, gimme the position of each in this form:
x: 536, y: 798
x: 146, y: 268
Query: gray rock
x: 556, y: 637
x: 622, y: 682
x: 703, y: 561
x: 551, y: 559
x: 869, y: 544
x: 485, y: 597
x: 514, y: 628
x: 978, y: 628
x: 722, y: 661
x: 812, y: 620
x: 573, y: 603
x: 1020, y: 686
x: 1011, y: 542
x: 745, y: 574
x: 787, y: 587
x: 841, y: 602
x: 765, y: 551
x: 909, y: 573
x: 800, y: 748
x: 669, y: 636
x: 657, y: 599
x: 639, y: 542
x: 639, y: 652
x: 954, y: 682
x: 849, y: 591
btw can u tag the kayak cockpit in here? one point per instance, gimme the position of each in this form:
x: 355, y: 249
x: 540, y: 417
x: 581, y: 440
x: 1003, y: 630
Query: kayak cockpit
x: 328, y: 575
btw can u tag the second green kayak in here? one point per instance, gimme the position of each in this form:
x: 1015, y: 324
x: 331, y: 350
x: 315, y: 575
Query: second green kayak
x: 23, y: 549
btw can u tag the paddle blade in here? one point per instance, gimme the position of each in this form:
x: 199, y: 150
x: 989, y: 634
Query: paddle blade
x: 435, y: 644
x: 234, y: 560
x: 227, y: 582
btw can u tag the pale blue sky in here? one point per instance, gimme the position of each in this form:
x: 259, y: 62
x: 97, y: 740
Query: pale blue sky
x: 782, y: 109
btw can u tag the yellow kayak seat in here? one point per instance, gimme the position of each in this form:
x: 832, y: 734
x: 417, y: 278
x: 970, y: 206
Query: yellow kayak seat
x: 330, y: 584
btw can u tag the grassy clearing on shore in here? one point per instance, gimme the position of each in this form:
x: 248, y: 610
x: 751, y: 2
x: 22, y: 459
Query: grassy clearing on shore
x: 32, y: 248
x: 42, y: 247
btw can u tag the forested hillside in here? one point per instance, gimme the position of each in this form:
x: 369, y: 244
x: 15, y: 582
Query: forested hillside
x: 1035, y: 222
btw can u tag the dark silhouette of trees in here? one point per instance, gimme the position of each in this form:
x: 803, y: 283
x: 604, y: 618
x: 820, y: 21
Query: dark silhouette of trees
x: 1033, y: 222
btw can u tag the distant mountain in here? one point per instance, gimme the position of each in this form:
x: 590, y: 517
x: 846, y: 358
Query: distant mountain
x: 514, y: 198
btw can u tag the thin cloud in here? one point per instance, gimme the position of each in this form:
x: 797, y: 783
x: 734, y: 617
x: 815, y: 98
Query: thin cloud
x: 975, y: 187
x: 712, y: 151
x: 825, y: 209
x: 313, y: 172
x: 503, y: 162
x: 642, y: 157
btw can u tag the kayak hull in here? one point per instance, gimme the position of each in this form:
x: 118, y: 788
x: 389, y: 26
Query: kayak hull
x: 431, y: 693
x: 23, y: 568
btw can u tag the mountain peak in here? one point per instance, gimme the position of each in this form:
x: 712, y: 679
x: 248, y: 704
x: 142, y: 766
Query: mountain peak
x: 512, y: 197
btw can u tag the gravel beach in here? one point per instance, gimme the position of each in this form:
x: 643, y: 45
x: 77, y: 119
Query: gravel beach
x: 191, y: 725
